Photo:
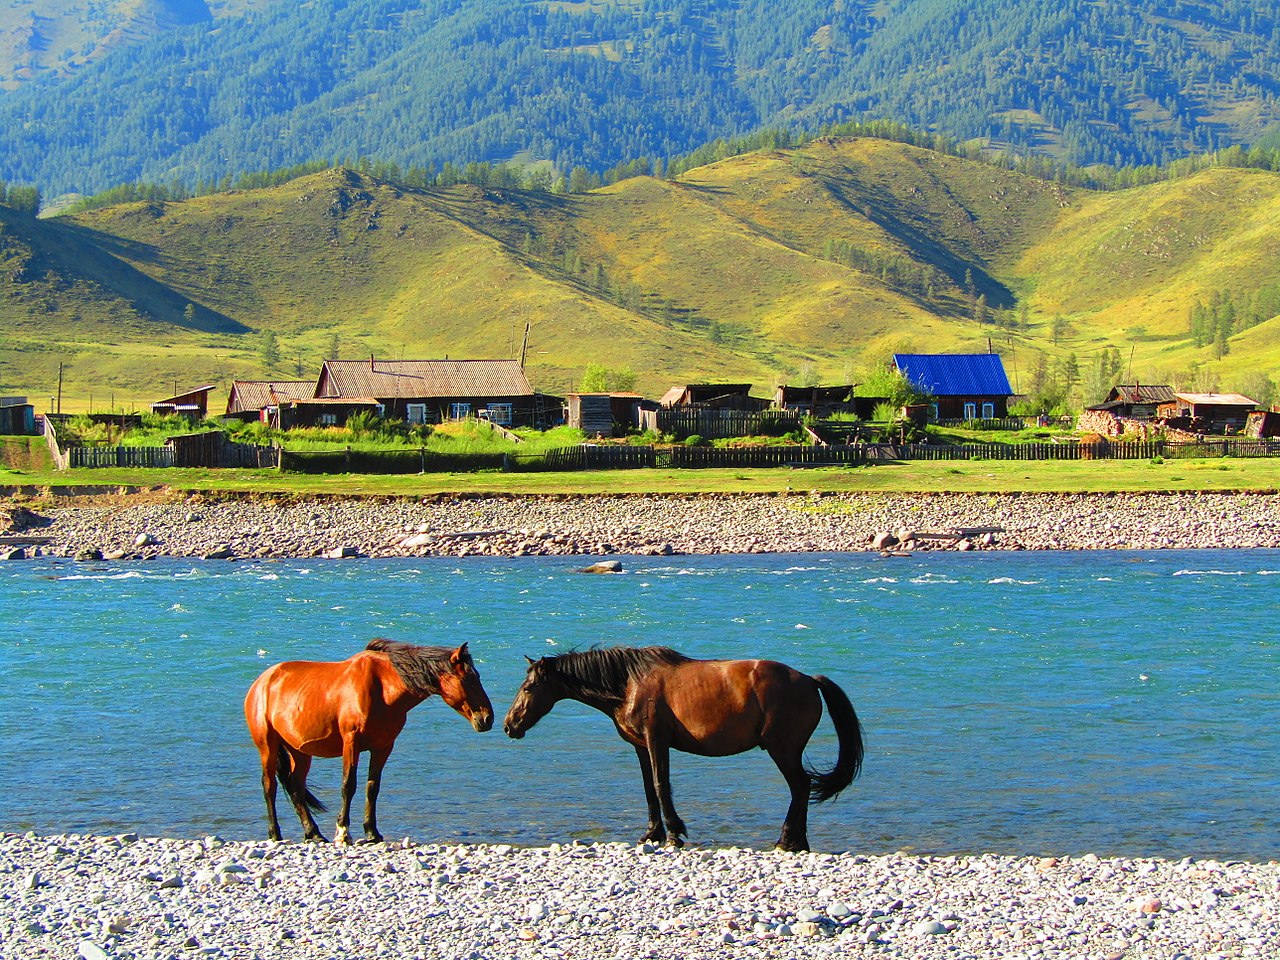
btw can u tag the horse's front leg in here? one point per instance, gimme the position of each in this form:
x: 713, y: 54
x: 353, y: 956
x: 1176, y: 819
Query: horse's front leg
x: 656, y: 832
x: 377, y: 760
x: 660, y: 761
x: 350, y: 767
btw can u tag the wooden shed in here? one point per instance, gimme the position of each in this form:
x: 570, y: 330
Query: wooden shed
x: 814, y: 401
x: 1135, y: 401
x: 17, y: 417
x: 1208, y: 412
x: 194, y: 404
x: 261, y: 399
x: 713, y: 396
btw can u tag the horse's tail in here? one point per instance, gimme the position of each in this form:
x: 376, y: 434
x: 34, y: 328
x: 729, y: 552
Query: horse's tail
x: 284, y: 771
x: 824, y: 786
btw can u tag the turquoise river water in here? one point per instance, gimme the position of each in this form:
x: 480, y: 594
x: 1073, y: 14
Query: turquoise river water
x: 1121, y: 703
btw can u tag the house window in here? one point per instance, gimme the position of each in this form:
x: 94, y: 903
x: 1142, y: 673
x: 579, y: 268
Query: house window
x: 500, y: 413
x: 327, y: 419
x: 933, y: 411
x: 459, y: 411
x: 988, y: 411
x: 415, y: 412
x: 970, y: 411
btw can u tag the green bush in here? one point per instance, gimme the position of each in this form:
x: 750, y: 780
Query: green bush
x: 694, y: 440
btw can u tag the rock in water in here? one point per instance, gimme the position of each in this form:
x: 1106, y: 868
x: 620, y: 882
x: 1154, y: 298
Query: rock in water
x: 604, y: 566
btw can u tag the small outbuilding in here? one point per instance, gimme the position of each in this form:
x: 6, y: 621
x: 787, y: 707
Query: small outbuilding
x: 1135, y: 401
x: 1208, y: 412
x: 17, y: 417
x: 601, y: 414
x: 814, y: 401
x: 713, y: 396
x: 262, y: 399
x: 194, y: 404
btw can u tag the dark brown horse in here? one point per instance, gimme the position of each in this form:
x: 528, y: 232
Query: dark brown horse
x: 300, y: 709
x: 659, y: 699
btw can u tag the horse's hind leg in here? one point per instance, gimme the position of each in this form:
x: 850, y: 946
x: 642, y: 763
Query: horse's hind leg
x: 301, y: 767
x: 269, y: 793
x: 377, y: 760
x: 795, y: 828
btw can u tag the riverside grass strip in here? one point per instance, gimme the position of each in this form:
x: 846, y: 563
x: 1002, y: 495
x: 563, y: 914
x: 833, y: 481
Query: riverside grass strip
x: 1232, y: 474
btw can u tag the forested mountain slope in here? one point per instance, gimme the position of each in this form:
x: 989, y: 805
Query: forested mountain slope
x: 763, y: 267
x: 195, y: 92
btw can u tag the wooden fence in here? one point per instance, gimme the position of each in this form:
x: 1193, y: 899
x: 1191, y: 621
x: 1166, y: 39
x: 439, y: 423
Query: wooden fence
x: 1127, y: 450
x: 99, y: 457
x: 217, y: 456
x: 718, y: 424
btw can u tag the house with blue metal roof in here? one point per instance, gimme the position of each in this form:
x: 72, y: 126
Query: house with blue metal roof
x: 969, y: 386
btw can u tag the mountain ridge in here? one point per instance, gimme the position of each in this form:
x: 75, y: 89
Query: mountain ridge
x: 259, y: 86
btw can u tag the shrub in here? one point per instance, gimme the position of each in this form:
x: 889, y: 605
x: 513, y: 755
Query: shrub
x: 693, y: 440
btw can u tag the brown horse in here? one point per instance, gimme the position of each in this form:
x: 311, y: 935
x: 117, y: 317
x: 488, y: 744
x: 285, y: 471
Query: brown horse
x: 659, y: 699
x: 300, y: 709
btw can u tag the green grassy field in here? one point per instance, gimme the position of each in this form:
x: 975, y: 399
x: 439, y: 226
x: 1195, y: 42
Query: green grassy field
x: 731, y: 273
x: 1107, y: 476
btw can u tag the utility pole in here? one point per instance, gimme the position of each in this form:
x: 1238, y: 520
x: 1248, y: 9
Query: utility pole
x: 524, y: 345
x: 59, y: 410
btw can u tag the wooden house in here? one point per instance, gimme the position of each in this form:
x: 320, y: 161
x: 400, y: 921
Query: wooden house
x: 262, y: 399
x: 959, y: 386
x: 713, y: 396
x: 1208, y: 412
x: 194, y: 404
x: 426, y: 391
x: 17, y: 417
x: 1135, y: 401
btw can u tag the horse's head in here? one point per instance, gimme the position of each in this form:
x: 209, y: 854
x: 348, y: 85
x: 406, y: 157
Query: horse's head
x: 540, y: 692
x: 460, y: 688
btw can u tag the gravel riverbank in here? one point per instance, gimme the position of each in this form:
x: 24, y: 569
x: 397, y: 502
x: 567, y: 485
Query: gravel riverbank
x: 258, y: 527
x: 118, y: 897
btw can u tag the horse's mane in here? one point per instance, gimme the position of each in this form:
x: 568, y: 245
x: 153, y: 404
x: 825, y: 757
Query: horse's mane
x: 607, y: 671
x: 419, y: 667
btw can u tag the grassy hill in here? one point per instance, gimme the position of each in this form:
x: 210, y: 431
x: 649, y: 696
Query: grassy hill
x: 762, y: 267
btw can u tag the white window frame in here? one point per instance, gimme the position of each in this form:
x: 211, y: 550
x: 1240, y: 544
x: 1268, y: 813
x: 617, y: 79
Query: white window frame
x: 970, y: 410
x: 459, y: 411
x: 415, y: 413
x: 500, y: 413
x: 988, y: 411
x: 327, y: 420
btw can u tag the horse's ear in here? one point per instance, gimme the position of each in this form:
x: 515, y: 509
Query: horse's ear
x: 530, y: 659
x: 460, y: 655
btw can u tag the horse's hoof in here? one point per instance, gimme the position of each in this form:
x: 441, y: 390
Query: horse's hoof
x: 675, y: 842
x: 315, y: 838
x: 370, y: 838
x: 789, y: 847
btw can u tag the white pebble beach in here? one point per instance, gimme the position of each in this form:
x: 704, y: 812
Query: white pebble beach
x: 107, y: 897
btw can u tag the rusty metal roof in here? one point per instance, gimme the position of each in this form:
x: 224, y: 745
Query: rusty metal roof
x: 1142, y: 393
x: 1222, y: 399
x: 411, y: 379
x: 247, y: 395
